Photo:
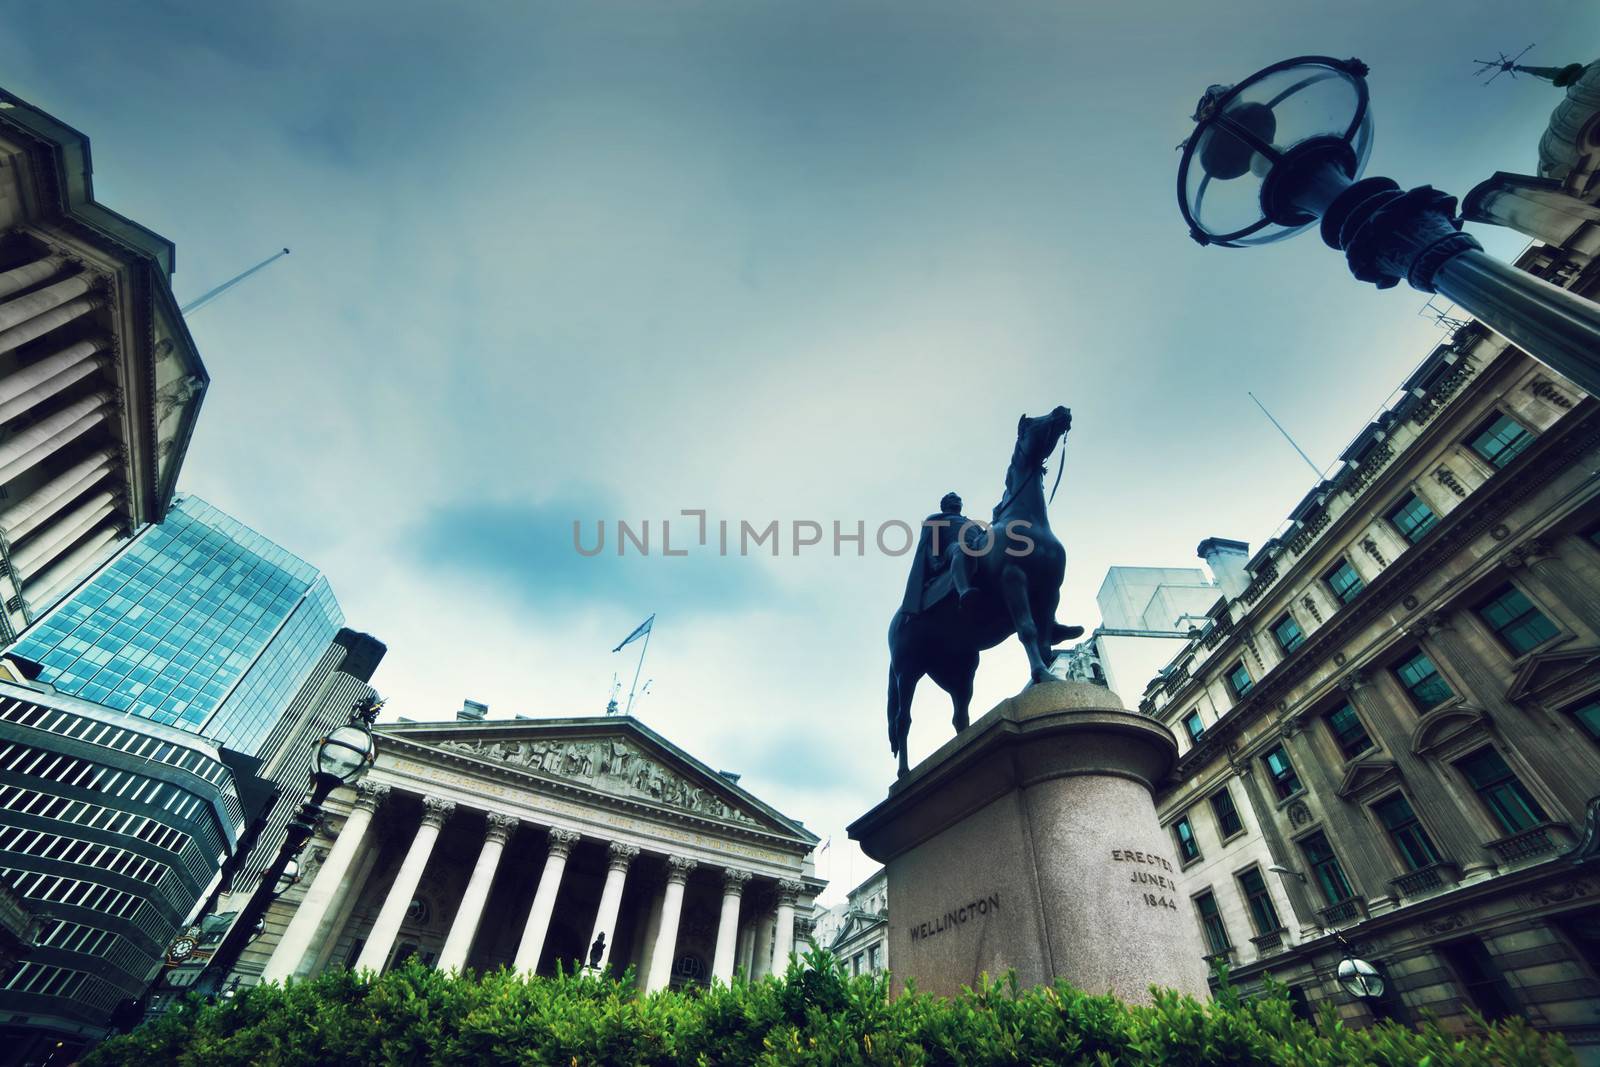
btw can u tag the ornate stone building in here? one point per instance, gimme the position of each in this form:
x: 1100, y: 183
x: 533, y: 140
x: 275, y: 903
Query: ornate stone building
x: 1391, y: 720
x: 100, y: 382
x: 525, y: 842
x: 857, y: 929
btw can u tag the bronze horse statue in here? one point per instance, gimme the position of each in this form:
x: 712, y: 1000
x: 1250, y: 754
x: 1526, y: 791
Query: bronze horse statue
x: 1015, y: 590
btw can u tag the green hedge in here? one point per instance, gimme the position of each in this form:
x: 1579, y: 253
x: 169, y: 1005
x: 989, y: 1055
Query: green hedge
x: 816, y: 1015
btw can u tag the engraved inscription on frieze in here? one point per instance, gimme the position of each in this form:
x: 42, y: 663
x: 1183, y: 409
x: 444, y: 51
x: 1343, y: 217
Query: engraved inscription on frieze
x: 612, y: 766
x: 1150, y: 873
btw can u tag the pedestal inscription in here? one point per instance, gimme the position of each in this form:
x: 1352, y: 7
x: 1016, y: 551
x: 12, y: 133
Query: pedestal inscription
x: 1043, y: 804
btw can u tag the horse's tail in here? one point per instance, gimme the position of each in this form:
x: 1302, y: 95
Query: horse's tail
x: 894, y: 710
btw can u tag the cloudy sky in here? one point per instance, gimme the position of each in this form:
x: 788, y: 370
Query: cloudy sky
x: 580, y: 261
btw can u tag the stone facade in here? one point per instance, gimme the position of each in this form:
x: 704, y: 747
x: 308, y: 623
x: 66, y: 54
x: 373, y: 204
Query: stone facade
x: 1401, y: 709
x: 477, y: 844
x: 857, y: 929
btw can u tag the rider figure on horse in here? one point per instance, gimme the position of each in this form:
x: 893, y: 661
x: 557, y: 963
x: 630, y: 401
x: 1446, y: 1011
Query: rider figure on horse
x: 939, y: 550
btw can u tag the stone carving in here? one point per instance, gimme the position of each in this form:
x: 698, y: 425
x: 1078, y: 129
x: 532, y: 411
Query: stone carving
x: 561, y: 841
x: 1370, y: 547
x: 734, y: 880
x: 435, y: 810
x: 789, y: 890
x: 1445, y: 923
x: 678, y: 868
x: 1546, y: 390
x: 1339, y: 658
x: 1528, y: 553
x: 1409, y: 602
x: 501, y: 827
x: 621, y: 854
x: 1299, y: 814
x: 1353, y: 681
x: 1559, y: 894
x: 1448, y: 479
x: 370, y: 794
x: 613, y: 766
x: 1311, y: 606
x: 1500, y: 531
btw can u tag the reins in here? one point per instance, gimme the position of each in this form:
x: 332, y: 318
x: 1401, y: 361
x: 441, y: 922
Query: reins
x: 1012, y: 496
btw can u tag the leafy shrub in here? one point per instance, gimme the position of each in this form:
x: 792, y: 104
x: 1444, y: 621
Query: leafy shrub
x: 815, y: 1014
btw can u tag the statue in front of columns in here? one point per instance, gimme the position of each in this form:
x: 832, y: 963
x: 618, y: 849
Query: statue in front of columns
x: 597, y: 951
x: 1015, y: 565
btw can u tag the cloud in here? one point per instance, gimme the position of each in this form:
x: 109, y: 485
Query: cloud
x: 528, y: 550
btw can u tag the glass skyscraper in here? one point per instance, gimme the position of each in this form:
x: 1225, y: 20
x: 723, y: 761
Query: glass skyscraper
x: 199, y: 622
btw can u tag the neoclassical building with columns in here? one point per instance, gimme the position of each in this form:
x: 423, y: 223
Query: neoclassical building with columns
x: 538, y: 843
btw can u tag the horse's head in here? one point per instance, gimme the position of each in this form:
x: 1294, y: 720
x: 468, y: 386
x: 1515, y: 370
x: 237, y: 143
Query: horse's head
x: 1036, y: 438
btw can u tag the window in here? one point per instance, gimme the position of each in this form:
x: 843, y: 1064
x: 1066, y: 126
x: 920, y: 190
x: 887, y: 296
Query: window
x: 1481, y: 980
x: 1412, y: 518
x: 1239, y: 679
x: 1325, y: 868
x: 1421, y: 679
x: 1228, y: 820
x: 1507, y: 799
x: 1188, y: 847
x: 1211, y: 922
x: 1284, y: 781
x: 1344, y: 581
x: 872, y: 959
x: 1348, y: 731
x: 1262, y: 913
x: 1192, y: 723
x: 1587, y: 716
x: 1288, y: 633
x: 1515, y: 621
x: 1500, y: 440
x: 1405, y: 830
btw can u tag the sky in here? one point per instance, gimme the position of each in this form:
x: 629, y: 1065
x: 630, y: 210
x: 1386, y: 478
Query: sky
x: 558, y: 262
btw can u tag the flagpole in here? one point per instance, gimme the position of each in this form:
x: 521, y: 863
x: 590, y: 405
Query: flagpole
x: 640, y: 666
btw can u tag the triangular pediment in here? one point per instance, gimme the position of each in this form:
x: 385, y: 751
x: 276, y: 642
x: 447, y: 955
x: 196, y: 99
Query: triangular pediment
x: 612, y: 755
x: 855, y: 924
x: 1548, y: 677
x: 1364, y: 775
x: 1446, y: 726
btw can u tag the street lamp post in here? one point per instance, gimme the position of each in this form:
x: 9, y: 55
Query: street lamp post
x: 341, y: 757
x: 1286, y: 148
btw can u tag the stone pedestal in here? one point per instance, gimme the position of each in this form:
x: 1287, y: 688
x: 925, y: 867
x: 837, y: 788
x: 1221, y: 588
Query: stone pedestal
x: 1030, y: 843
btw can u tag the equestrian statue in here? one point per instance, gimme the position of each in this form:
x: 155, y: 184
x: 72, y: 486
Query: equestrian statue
x: 973, y: 585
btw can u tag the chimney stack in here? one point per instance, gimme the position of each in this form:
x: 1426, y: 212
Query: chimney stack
x: 1227, y: 559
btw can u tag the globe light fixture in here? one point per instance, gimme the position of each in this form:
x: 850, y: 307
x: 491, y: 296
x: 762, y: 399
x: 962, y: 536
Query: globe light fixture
x: 342, y: 757
x: 1287, y: 147
x: 1360, y: 979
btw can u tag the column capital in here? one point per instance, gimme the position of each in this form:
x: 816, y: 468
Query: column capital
x: 435, y: 810
x: 562, y: 840
x: 805, y: 927
x: 1532, y: 551
x: 621, y: 855
x: 1354, y: 680
x: 788, y: 891
x: 734, y: 881
x: 501, y: 827
x: 1433, y: 622
x: 678, y: 868
x: 370, y: 794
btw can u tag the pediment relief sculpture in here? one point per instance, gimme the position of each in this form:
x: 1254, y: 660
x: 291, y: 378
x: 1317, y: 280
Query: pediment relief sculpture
x: 610, y: 765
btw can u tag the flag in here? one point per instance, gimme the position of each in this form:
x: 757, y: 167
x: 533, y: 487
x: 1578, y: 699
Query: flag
x: 644, y: 628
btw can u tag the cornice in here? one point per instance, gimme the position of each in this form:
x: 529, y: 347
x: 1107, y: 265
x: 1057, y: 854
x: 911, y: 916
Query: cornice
x: 1553, y: 452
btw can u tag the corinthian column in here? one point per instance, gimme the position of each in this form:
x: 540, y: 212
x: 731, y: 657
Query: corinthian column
x: 605, y: 920
x: 375, y: 953
x: 733, y: 883
x: 678, y: 868
x: 1438, y: 632
x: 544, y: 899
x: 296, y: 940
x: 783, y: 937
x: 465, y: 925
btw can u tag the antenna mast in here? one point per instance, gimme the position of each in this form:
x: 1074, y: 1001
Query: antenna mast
x: 1285, y: 433
x: 205, y: 298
